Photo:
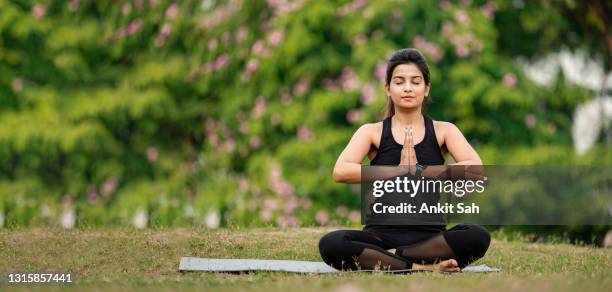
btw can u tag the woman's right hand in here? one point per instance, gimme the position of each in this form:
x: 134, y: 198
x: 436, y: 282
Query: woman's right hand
x: 408, y: 155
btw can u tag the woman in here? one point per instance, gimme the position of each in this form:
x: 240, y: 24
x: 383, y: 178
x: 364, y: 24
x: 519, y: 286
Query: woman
x: 404, y: 247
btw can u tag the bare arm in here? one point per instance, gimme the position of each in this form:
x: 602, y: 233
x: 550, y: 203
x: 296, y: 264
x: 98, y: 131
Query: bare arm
x: 348, y: 165
x: 458, y: 147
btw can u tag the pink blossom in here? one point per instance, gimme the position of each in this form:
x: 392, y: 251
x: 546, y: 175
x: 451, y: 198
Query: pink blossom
x: 39, y: 10
x: 258, y: 48
x: 290, y: 205
x: 286, y: 98
x: 282, y: 7
x: 255, y: 142
x: 172, y: 11
x: 252, y: 65
x: 220, y: 62
x: 342, y: 211
x: 380, y: 72
x: 304, y: 134
x: 68, y: 219
x: 276, y: 37
x: 302, y: 87
x: 242, y: 35
x: 289, y: 221
x: 260, y: 107
x: 353, y: 115
x: 354, y: 216
x: 530, y: 121
x: 368, y: 94
x: 126, y: 9
x: 430, y: 49
x: 270, y: 204
x: 165, y: 31
x: 243, y: 184
x: 447, y: 28
x: 134, y: 26
x: 67, y: 201
x: 509, y: 79
x: 462, y: 17
x: 74, y: 5
x: 322, y: 217
x: 154, y: 3
x: 284, y: 189
x: 462, y: 51
x: 17, y: 85
x: 466, y: 2
x: 229, y: 145
x: 488, y: 9
x: 212, y: 44
x: 351, y: 7
x: 152, y: 154
x: 265, y: 215
x: 349, y: 80
x: 109, y: 186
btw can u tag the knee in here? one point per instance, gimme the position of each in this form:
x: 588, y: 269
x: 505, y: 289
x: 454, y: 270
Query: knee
x: 479, y: 239
x: 331, y: 244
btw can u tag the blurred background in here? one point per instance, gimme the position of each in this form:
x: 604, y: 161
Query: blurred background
x: 152, y: 113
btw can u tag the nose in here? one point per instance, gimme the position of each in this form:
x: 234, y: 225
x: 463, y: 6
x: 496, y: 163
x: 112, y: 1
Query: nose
x: 408, y: 87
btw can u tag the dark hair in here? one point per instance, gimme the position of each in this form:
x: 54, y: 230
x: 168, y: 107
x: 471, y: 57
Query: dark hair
x: 405, y: 56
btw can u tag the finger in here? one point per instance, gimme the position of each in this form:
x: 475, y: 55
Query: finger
x: 411, y: 138
x: 406, y: 138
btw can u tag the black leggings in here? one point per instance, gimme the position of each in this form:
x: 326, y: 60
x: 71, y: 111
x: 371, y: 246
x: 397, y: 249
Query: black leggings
x: 367, y: 249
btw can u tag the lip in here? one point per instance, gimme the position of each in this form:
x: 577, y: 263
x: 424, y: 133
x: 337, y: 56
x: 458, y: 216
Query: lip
x: 408, y: 97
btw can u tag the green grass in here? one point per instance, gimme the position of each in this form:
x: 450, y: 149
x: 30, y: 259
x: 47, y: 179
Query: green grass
x: 124, y: 259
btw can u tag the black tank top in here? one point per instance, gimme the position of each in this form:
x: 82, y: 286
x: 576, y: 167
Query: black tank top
x: 428, y: 152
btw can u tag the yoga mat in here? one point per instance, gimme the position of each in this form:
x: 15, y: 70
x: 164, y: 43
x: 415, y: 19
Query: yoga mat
x: 243, y: 265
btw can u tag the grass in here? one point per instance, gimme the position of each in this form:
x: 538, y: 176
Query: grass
x: 124, y: 259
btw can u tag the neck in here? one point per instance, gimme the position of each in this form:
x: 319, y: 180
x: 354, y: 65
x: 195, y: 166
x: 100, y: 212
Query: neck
x: 408, y: 117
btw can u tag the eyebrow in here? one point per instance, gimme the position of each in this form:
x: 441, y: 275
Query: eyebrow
x: 402, y: 77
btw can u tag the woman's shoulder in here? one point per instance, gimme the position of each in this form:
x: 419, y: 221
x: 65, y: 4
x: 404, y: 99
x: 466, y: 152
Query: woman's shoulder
x: 443, y: 127
x: 371, y: 130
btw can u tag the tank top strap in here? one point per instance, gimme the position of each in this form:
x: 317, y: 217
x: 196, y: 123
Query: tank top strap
x: 386, y: 133
x: 430, y: 137
x: 430, y: 134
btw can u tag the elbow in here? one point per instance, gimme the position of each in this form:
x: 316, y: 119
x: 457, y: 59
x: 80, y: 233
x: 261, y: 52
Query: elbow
x: 338, y: 175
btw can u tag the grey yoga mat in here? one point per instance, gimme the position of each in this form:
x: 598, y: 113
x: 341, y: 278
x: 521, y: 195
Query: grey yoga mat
x: 244, y: 265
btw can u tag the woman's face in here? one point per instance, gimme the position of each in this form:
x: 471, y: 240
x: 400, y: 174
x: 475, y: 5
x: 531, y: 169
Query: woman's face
x: 407, y: 88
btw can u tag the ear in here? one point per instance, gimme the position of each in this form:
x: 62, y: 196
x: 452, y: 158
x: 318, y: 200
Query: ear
x: 427, y: 87
x: 387, y: 92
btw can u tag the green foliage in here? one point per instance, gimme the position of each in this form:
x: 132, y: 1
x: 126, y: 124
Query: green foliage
x: 233, y: 112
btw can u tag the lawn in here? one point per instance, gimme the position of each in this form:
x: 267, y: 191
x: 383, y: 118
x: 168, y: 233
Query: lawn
x: 124, y: 259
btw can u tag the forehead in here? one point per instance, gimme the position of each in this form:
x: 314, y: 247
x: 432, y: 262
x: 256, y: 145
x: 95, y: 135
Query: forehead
x: 407, y: 71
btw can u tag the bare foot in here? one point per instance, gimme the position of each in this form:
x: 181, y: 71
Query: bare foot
x: 391, y: 250
x: 448, y: 266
